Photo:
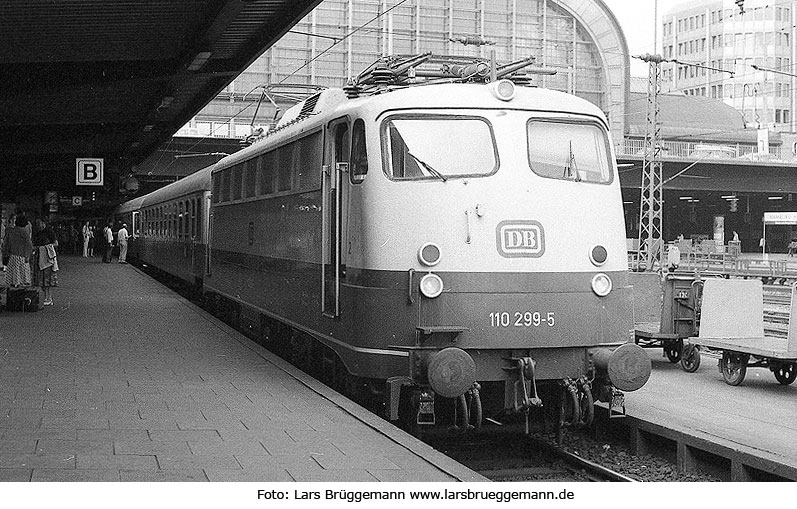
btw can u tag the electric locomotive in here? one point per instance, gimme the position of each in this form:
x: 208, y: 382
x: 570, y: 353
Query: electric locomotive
x: 452, y: 245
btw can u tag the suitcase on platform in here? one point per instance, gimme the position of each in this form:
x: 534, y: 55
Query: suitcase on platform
x: 22, y: 299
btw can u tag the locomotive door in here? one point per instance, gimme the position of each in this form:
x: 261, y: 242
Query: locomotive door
x: 336, y: 164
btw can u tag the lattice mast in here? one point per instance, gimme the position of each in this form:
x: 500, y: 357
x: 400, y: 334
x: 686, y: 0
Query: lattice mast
x: 651, y: 200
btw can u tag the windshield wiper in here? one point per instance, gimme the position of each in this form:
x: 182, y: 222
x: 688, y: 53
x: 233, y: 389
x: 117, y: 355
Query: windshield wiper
x: 428, y: 167
x: 571, y: 168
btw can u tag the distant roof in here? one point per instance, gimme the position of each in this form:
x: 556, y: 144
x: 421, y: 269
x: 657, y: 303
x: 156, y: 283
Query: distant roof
x: 689, y: 117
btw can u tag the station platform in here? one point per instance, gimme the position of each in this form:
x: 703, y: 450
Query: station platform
x: 751, y: 429
x: 124, y: 380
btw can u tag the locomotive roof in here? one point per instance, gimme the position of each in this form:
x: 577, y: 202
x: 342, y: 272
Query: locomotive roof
x: 478, y: 95
x: 332, y: 103
x: 198, y: 181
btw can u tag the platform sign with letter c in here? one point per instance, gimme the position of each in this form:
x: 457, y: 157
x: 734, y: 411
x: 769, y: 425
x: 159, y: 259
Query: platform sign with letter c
x: 89, y: 172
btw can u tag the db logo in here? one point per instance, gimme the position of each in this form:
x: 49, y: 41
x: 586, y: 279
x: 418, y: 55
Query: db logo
x: 520, y: 239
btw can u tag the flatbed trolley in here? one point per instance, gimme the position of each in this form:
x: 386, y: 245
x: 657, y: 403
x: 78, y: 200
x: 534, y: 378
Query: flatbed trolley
x: 665, y: 310
x: 733, y: 325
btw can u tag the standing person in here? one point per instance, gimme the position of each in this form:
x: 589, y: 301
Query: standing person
x: 91, y: 241
x: 107, y: 235
x: 86, y: 237
x: 18, y: 247
x: 121, y: 238
x: 45, y: 262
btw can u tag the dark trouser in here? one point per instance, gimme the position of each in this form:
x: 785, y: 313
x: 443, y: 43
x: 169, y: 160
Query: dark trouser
x: 108, y: 248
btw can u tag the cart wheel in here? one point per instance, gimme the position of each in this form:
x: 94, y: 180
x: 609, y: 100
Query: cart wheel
x: 673, y: 353
x: 786, y: 373
x: 690, y: 358
x: 733, y: 366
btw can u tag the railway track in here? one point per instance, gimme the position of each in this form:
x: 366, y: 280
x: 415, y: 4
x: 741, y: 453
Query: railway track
x: 520, y: 458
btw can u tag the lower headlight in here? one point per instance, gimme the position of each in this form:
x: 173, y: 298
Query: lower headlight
x: 431, y: 285
x: 601, y: 285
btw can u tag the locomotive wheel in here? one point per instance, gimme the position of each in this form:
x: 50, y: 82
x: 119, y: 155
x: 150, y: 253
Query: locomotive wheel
x: 690, y: 358
x: 587, y: 406
x: 571, y: 409
x: 786, y: 373
x: 734, y: 367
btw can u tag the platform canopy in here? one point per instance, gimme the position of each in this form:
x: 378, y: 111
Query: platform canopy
x: 112, y: 80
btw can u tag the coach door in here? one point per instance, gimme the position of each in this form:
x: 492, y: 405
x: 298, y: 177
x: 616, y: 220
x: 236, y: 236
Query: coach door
x: 335, y: 166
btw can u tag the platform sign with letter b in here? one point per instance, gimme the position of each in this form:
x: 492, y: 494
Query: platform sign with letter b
x: 89, y: 172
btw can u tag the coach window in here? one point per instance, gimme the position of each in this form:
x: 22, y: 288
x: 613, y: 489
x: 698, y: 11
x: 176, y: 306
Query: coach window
x: 569, y: 151
x: 359, y: 156
x: 180, y: 222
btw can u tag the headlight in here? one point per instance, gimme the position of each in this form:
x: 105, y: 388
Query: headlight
x: 431, y: 285
x: 429, y: 254
x: 503, y: 89
x: 601, y: 285
x: 598, y: 255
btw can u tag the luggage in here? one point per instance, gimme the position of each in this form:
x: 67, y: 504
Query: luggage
x: 22, y: 299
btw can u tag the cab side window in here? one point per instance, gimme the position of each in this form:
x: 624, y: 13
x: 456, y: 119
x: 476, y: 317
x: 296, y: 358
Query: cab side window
x: 359, y: 155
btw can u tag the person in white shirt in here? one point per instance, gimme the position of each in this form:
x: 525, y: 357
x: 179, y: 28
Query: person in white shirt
x: 121, y: 238
x: 86, y: 231
x: 107, y: 235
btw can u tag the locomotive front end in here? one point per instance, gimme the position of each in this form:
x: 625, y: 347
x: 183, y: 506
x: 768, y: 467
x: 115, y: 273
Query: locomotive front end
x: 519, y: 280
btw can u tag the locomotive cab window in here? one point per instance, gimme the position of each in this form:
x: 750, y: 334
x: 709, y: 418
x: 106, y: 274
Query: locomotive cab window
x: 359, y: 156
x: 436, y: 147
x: 569, y: 151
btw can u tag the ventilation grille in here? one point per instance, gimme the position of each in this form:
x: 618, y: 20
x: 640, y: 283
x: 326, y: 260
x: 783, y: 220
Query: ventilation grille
x: 309, y: 105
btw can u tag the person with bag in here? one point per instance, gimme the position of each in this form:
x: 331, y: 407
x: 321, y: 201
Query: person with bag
x: 18, y: 247
x: 45, y: 261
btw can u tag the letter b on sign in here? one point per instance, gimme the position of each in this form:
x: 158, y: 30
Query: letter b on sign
x: 89, y: 172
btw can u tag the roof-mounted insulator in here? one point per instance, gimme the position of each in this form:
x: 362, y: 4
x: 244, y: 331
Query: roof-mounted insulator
x: 352, y: 90
x: 382, y: 75
x: 521, y: 80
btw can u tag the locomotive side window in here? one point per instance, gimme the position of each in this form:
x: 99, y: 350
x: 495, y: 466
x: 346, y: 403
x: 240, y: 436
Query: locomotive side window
x: 216, y: 193
x: 436, y: 147
x: 285, y: 158
x: 268, y: 180
x: 237, y: 181
x: 250, y: 178
x: 225, y: 185
x: 359, y: 155
x: 569, y: 151
x: 310, y: 156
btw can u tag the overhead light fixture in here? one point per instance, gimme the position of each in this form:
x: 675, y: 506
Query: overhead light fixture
x: 774, y: 197
x: 199, y: 60
x: 728, y: 197
x: 685, y: 198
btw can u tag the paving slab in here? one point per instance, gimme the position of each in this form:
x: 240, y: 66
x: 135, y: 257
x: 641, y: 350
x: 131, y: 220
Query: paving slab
x: 124, y: 380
